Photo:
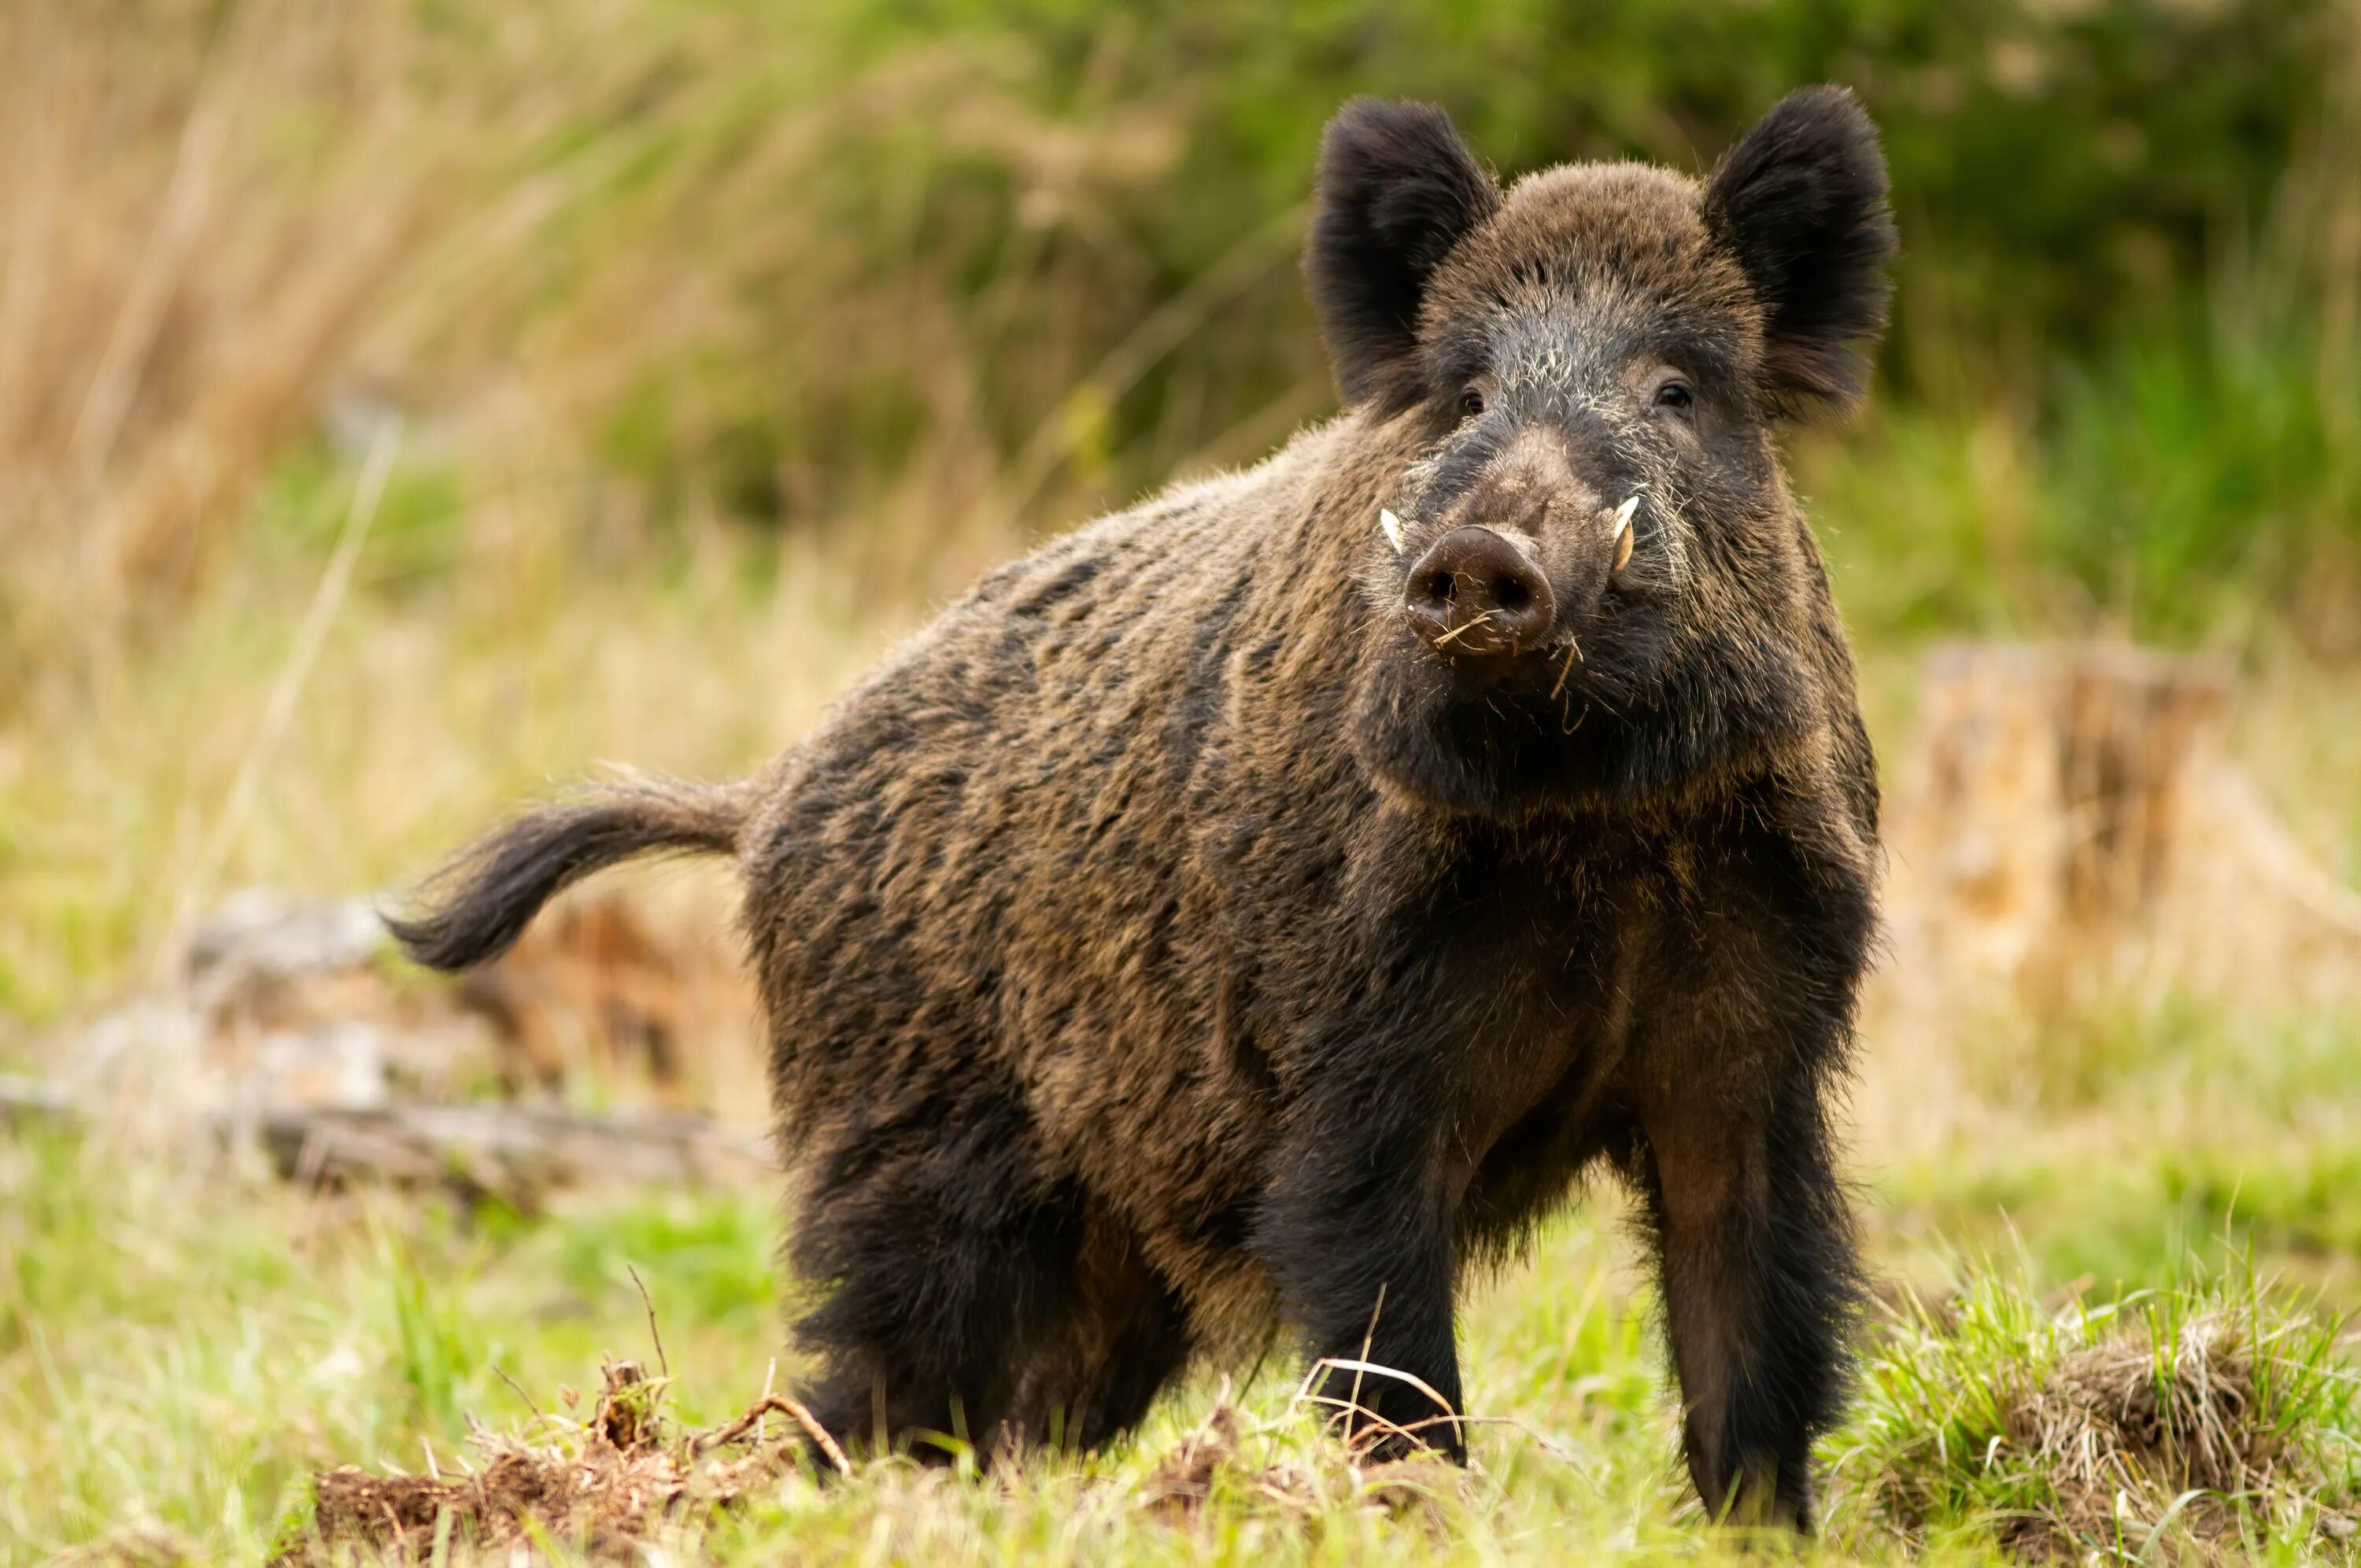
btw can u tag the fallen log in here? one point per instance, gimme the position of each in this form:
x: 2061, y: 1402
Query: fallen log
x: 514, y: 1153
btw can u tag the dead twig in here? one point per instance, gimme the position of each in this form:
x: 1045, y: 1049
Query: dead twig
x: 802, y: 1415
x: 1573, y: 653
x: 1464, y: 627
x: 520, y: 1393
x: 664, y: 1364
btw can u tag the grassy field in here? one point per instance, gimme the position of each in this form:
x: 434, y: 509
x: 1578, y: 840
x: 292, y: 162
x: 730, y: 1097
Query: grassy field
x: 412, y: 406
x: 182, y: 1346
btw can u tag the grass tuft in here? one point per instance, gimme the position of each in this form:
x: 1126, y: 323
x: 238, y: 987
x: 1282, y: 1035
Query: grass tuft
x: 2209, y: 1416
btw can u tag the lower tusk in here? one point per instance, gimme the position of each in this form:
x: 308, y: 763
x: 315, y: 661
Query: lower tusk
x: 1392, y: 525
x: 1624, y: 550
x: 1624, y: 534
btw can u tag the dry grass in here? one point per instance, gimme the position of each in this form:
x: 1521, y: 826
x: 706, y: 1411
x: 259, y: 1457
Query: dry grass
x: 236, y: 229
x: 595, y: 259
x: 726, y: 340
x: 183, y: 280
x: 2213, y: 1416
x: 2123, y: 1419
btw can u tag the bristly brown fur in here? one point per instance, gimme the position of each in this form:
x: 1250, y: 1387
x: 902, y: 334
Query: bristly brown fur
x: 1167, y: 944
x: 494, y: 888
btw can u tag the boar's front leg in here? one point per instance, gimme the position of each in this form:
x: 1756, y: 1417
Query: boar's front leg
x: 1355, y: 1231
x: 1759, y: 1278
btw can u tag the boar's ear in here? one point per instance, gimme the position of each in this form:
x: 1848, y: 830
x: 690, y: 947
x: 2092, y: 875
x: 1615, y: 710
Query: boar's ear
x: 1398, y: 189
x: 1801, y: 203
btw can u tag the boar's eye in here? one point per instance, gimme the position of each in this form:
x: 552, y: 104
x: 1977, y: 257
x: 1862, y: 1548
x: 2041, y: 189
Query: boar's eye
x: 1471, y: 400
x: 1674, y: 394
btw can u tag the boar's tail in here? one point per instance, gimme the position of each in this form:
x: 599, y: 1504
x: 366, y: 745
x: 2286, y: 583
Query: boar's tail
x: 479, y: 903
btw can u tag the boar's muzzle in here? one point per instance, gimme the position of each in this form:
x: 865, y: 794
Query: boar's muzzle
x: 1476, y: 594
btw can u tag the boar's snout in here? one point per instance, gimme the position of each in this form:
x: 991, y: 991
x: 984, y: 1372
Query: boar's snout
x: 1475, y: 593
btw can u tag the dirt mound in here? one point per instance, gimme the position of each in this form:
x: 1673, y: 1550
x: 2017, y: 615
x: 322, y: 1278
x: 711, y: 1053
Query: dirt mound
x: 604, y: 1483
x: 2199, y: 1422
x: 2183, y: 1422
x: 610, y: 1484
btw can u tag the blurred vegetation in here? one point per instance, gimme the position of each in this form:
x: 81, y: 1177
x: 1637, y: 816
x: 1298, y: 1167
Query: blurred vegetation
x: 939, y: 265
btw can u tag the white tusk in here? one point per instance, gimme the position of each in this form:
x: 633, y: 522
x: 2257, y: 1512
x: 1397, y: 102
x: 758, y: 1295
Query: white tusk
x: 1623, y: 515
x: 1392, y: 525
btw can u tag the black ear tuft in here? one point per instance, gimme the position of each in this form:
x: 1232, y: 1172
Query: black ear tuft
x: 1398, y: 189
x: 1801, y: 202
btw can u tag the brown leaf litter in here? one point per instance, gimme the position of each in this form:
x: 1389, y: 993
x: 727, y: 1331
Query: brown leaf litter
x: 606, y: 1483
x: 610, y: 1482
x: 1177, y: 1489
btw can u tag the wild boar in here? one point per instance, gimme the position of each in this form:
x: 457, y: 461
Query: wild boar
x: 1246, y: 912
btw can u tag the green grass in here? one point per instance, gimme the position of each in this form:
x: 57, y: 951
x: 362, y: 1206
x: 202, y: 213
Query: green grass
x: 2108, y: 1150
x: 1992, y: 1414
x: 180, y: 1344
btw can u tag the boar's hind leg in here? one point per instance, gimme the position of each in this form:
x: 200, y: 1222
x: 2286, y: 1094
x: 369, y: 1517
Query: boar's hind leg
x: 1760, y: 1278
x: 1116, y: 1337
x: 959, y: 1305
x: 930, y: 1252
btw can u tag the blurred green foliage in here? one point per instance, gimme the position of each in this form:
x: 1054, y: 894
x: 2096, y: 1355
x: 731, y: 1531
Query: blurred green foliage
x: 1067, y: 229
x: 919, y: 269
x: 2062, y: 168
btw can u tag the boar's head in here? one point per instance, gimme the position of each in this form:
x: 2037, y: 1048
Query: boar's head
x: 1585, y: 578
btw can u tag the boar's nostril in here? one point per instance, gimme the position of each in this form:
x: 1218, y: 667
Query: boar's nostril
x: 1475, y: 593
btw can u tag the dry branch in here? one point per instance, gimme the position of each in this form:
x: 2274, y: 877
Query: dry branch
x: 514, y: 1152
